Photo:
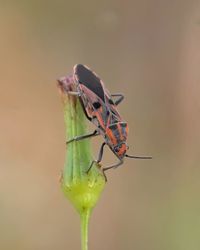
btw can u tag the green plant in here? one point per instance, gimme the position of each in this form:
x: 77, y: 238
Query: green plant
x: 81, y: 188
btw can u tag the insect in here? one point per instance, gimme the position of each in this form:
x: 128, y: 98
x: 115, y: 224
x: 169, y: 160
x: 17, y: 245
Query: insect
x: 100, y: 108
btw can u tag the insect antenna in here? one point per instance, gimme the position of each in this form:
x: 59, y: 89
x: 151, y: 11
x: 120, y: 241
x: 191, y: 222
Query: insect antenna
x: 139, y: 157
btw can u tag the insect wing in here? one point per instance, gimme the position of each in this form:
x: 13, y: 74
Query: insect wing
x: 96, y: 100
x: 95, y: 108
x: 115, y: 116
x: 92, y: 94
x: 83, y: 75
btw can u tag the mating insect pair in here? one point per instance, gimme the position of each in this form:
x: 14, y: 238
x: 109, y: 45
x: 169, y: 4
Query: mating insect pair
x: 99, y: 107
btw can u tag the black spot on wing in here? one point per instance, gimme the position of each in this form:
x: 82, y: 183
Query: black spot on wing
x: 90, y: 80
x: 96, y: 105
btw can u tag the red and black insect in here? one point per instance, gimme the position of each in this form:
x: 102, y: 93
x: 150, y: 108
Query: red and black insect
x: 100, y: 108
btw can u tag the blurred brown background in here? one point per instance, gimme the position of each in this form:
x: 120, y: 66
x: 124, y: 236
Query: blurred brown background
x: 149, y: 50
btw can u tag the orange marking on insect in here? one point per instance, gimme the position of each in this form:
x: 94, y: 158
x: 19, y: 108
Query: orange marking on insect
x: 120, y: 132
x: 122, y: 150
x: 111, y: 136
x: 99, y: 118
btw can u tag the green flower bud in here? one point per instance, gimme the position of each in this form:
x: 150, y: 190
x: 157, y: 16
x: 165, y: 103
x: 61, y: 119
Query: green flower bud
x: 82, y: 188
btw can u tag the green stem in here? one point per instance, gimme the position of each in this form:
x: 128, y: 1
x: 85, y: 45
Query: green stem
x: 85, y: 216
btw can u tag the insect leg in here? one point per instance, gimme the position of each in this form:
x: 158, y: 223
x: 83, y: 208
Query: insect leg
x: 139, y: 157
x: 73, y: 93
x: 100, y: 155
x: 120, y: 99
x: 113, y: 166
x: 82, y: 137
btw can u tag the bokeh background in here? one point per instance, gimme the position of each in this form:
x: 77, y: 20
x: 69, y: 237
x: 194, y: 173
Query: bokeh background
x: 150, y: 51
